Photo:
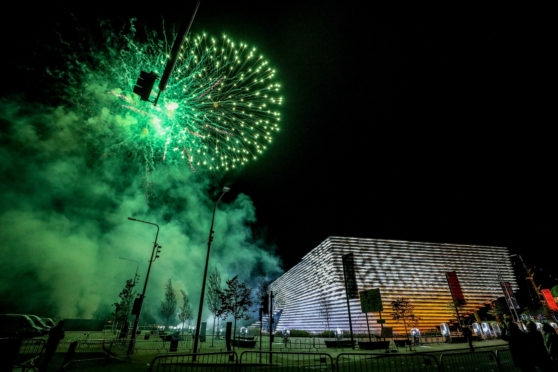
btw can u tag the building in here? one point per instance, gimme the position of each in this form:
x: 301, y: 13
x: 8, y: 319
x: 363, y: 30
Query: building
x: 311, y: 295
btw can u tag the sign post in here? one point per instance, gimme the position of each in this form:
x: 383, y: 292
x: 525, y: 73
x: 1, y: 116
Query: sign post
x: 513, y: 306
x: 351, y: 288
x: 456, y: 294
x: 270, y: 327
x: 371, y: 301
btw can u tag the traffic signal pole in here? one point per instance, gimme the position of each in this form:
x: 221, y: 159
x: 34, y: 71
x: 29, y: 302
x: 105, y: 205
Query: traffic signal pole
x: 180, y: 37
x: 142, y: 296
x: 145, y: 83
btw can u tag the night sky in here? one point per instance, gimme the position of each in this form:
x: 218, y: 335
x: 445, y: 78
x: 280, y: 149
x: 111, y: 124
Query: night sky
x: 425, y: 125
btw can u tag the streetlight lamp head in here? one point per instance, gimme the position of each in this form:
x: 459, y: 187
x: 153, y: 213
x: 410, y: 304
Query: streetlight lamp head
x: 226, y: 189
x: 132, y: 219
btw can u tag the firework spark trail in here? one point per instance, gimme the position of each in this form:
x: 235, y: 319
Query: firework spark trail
x: 127, y: 99
x: 135, y: 109
x: 189, y: 159
x: 210, y: 89
x: 220, y: 105
x: 219, y: 130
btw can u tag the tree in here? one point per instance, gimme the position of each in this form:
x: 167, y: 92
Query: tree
x: 168, y: 306
x: 185, y: 311
x: 403, y: 310
x: 262, y: 294
x: 236, y: 300
x: 213, y: 300
x: 122, y: 308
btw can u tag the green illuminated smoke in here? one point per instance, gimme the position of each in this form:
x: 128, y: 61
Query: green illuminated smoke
x: 73, y: 172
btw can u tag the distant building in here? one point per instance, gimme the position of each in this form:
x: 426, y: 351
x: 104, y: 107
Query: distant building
x: 312, y: 293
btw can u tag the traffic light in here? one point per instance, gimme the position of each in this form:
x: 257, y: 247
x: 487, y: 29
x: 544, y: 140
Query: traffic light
x: 157, y: 252
x: 144, y: 85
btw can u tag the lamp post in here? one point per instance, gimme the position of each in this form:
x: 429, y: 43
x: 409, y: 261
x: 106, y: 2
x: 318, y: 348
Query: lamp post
x: 536, y: 289
x: 141, y: 297
x: 198, y: 323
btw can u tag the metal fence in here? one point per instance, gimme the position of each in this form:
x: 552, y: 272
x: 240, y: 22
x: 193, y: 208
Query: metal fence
x: 504, y: 358
x: 285, y: 361
x: 30, y: 353
x: 386, y: 362
x: 495, y: 360
x: 156, y: 341
x: 470, y: 361
x: 225, y: 361
x: 21, y: 353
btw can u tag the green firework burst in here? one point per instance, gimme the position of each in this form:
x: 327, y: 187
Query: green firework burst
x: 220, y: 108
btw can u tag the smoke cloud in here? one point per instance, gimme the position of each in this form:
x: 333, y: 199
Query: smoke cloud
x: 70, y: 180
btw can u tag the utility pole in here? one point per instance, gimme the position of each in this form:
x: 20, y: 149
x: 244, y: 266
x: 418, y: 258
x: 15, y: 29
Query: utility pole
x: 350, y: 288
x: 209, y: 240
x: 270, y: 327
x: 530, y: 278
x: 139, y: 301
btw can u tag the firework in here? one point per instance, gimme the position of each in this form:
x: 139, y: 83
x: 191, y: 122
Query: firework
x: 220, y: 108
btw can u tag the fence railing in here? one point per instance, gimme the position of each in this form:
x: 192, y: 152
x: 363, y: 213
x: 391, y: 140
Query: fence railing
x: 504, y: 358
x: 477, y: 361
x: 495, y: 360
x: 279, y: 361
x: 224, y: 361
x: 30, y: 353
x: 386, y: 363
x: 21, y: 353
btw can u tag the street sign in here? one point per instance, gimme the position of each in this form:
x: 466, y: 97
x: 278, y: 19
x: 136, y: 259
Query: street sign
x: 387, y: 332
x: 455, y: 288
x: 349, y: 273
x: 371, y: 300
x: 549, y: 299
x: 381, y: 321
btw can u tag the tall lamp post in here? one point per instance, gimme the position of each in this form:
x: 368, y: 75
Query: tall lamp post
x: 529, y: 277
x: 198, y: 323
x: 141, y: 297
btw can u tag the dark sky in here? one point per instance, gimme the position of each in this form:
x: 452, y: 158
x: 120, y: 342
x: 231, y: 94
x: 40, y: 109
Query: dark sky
x: 416, y: 124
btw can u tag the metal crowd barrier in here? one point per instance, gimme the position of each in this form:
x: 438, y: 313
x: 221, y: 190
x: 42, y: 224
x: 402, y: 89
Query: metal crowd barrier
x: 224, y: 361
x: 470, y: 361
x: 496, y: 360
x: 24, y: 354
x: 83, y: 346
x: 30, y: 353
x: 88, y: 346
x: 386, y: 362
x: 504, y: 358
x: 182, y: 345
x: 285, y: 361
x: 83, y: 353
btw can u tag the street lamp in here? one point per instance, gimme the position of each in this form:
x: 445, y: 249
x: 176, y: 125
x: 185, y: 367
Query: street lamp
x: 141, y: 297
x: 538, y: 297
x: 198, y: 323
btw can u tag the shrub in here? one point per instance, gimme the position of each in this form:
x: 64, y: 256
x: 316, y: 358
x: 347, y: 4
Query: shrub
x: 300, y: 333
